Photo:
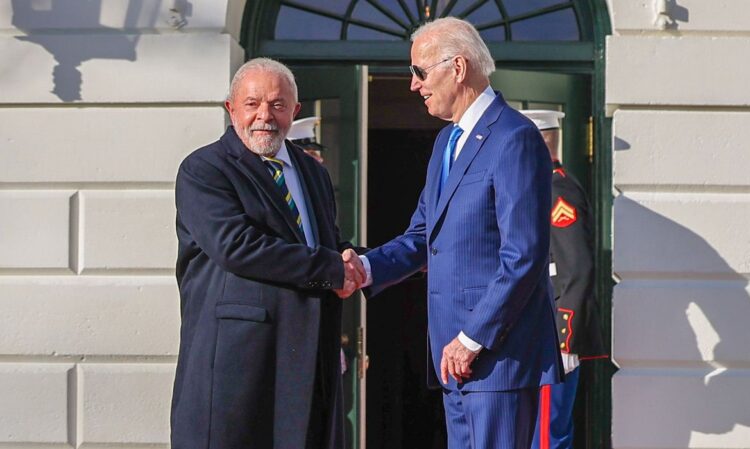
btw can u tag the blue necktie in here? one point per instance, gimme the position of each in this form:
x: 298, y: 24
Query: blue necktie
x: 448, y: 154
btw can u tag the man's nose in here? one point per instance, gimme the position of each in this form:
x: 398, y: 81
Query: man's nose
x: 263, y: 112
x: 416, y: 84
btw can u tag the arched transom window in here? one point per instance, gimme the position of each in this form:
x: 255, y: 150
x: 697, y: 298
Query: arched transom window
x: 395, y: 20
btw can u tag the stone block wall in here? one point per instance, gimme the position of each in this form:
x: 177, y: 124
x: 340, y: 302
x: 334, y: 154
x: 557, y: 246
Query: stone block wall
x: 99, y: 102
x: 681, y: 109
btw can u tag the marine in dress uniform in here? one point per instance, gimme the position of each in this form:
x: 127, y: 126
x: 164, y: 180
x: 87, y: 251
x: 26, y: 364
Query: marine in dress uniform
x: 302, y: 134
x: 572, y: 273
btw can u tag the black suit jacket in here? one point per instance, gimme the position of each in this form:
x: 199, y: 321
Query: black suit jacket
x: 256, y: 303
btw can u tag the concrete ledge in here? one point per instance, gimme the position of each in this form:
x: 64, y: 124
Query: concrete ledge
x: 30, y: 16
x: 691, y: 71
x: 681, y: 323
x: 131, y: 229
x: 34, y: 405
x: 681, y: 408
x: 671, y: 148
x: 688, y: 15
x: 34, y: 230
x: 128, y: 144
x: 681, y: 236
x: 74, y: 315
x: 117, y: 68
x: 126, y: 403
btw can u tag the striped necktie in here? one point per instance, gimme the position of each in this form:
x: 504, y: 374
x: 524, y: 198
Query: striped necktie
x: 277, y: 167
x: 450, y: 149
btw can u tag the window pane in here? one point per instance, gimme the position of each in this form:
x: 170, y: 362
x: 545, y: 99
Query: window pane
x: 301, y: 25
x: 412, y: 4
x: 396, y: 10
x: 518, y: 7
x: 555, y: 26
x: 367, y: 13
x: 460, y: 8
x: 486, y: 13
x: 494, y: 34
x: 334, y: 6
x: 358, y: 33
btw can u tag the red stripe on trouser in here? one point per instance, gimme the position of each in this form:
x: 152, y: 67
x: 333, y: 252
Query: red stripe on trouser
x: 544, y: 403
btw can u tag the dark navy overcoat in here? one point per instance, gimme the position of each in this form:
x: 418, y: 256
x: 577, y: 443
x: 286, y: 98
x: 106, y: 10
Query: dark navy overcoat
x: 256, y: 303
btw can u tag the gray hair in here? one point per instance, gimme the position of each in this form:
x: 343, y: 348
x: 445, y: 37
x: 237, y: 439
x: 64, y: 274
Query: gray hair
x: 458, y: 37
x: 265, y: 64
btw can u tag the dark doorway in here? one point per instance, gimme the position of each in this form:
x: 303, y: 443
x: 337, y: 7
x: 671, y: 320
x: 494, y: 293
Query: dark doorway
x: 401, y: 411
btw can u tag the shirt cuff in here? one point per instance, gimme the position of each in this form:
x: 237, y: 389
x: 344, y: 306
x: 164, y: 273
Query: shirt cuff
x: 570, y: 361
x: 368, y: 270
x: 470, y: 344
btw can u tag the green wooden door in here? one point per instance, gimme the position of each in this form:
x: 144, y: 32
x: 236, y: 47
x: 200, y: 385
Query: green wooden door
x: 338, y: 96
x: 562, y: 92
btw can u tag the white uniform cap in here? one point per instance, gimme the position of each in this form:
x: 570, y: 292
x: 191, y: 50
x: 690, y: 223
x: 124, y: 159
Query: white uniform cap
x: 544, y: 119
x: 303, y: 128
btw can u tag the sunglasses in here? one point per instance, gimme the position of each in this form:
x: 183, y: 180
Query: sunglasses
x: 421, y: 73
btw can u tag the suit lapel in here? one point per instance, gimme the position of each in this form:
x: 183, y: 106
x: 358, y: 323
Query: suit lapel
x: 253, y: 167
x: 474, y: 142
x: 433, y: 175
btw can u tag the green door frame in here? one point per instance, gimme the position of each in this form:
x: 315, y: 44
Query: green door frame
x: 585, y: 57
x: 346, y: 84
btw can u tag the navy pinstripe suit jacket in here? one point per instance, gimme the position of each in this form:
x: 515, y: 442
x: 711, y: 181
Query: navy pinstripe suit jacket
x: 485, y: 241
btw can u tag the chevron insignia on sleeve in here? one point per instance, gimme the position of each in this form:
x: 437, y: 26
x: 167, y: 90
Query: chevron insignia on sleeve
x: 563, y: 214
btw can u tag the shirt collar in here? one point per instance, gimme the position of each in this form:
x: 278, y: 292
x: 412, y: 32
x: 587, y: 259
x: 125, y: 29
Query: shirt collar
x: 477, y: 108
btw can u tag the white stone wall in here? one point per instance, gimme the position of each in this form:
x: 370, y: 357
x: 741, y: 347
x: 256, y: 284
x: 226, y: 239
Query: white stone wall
x: 99, y: 102
x: 680, y: 101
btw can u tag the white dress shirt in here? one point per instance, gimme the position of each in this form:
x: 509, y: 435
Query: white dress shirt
x: 467, y: 122
x: 295, y: 188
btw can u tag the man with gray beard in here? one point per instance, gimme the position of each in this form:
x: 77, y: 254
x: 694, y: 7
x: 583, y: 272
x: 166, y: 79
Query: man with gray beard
x: 259, y: 268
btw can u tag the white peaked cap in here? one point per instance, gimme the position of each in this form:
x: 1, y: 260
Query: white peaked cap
x: 544, y: 119
x: 303, y: 128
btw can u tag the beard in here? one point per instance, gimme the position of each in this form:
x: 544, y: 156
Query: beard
x: 267, y: 145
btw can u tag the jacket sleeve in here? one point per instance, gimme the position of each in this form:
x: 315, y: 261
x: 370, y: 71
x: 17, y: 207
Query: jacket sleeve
x: 209, y: 208
x: 522, y: 186
x: 401, y: 257
x: 573, y: 254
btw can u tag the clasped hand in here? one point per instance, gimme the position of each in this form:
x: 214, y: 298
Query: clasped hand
x: 354, y: 274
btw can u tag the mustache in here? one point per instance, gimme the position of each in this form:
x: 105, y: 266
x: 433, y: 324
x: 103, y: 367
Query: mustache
x: 261, y: 127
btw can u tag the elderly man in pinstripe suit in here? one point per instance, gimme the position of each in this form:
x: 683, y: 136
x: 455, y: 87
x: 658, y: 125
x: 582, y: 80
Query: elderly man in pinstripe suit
x: 481, y: 227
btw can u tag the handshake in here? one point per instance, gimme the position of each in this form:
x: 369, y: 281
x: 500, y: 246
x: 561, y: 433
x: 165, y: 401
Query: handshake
x: 354, y: 274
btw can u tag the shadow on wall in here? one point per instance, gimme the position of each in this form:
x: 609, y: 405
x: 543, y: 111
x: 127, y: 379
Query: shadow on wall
x: 698, y: 395
x: 86, y: 37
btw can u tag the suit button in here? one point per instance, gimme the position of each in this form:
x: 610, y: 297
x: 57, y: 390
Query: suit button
x: 563, y: 330
x: 434, y: 251
x: 566, y: 316
x: 562, y: 345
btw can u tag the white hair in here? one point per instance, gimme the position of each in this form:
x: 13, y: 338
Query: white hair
x: 265, y: 64
x: 457, y: 37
